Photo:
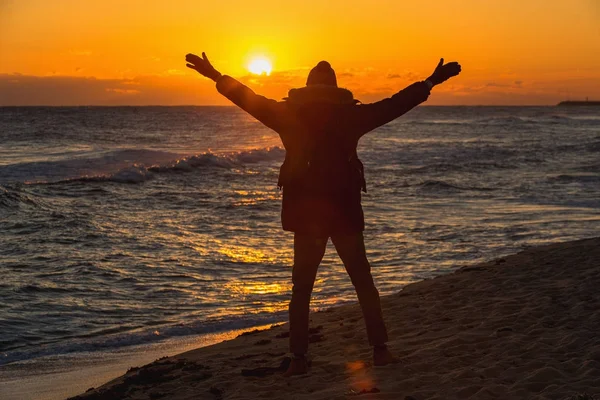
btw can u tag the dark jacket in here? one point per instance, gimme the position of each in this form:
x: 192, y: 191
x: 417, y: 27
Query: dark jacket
x: 320, y: 127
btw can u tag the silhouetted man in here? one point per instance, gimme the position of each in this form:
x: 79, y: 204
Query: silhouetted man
x: 322, y: 178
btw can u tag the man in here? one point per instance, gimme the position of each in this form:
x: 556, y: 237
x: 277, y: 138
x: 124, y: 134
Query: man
x: 322, y: 178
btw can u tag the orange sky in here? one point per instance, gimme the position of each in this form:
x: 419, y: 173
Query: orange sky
x: 65, y: 52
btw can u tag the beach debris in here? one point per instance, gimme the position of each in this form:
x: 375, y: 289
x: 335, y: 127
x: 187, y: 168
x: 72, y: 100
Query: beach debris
x: 311, y: 331
x: 505, y: 331
x: 353, y: 392
x: 264, y: 371
x: 348, y: 334
x: 469, y: 268
x: 189, y: 366
x: 583, y: 396
x: 147, y: 376
x: 245, y: 356
x: 316, y: 338
x: 262, y: 342
x: 215, y: 391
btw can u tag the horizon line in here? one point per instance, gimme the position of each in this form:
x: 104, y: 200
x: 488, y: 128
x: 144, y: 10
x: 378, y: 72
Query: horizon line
x: 233, y: 105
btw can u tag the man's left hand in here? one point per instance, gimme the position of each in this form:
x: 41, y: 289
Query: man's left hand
x: 443, y: 72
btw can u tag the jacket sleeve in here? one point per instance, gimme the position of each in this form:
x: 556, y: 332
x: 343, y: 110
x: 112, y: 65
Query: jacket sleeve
x: 260, y: 107
x: 367, y: 117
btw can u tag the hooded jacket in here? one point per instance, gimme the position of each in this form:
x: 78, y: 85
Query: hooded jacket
x: 320, y: 126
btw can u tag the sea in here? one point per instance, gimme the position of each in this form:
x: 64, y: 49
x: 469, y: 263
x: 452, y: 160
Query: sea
x: 125, y: 227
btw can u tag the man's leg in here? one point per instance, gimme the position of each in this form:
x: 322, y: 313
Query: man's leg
x: 308, y: 253
x: 351, y: 249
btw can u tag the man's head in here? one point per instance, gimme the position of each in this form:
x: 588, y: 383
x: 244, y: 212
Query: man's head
x: 322, y: 74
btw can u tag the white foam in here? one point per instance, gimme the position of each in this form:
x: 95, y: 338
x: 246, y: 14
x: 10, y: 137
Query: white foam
x: 133, y: 174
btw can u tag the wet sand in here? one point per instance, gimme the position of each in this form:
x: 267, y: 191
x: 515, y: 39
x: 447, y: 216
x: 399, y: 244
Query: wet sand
x: 524, y: 326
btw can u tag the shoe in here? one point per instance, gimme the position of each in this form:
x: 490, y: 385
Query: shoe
x: 298, y: 366
x: 382, y: 356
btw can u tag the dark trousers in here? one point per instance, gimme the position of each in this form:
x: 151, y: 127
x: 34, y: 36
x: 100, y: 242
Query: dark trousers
x: 308, y: 252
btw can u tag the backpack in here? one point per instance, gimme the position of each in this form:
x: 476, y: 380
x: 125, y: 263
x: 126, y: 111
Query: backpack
x: 324, y: 165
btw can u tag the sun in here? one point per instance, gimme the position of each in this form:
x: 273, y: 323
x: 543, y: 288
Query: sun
x: 260, y: 66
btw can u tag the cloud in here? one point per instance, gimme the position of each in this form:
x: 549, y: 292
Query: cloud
x: 407, y: 75
x: 290, y: 77
x: 496, y: 84
x: 123, y: 91
x: 17, y: 89
x: 367, y: 86
x: 277, y: 84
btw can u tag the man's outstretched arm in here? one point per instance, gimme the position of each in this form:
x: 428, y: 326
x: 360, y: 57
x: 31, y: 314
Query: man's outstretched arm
x: 259, y: 107
x: 371, y: 116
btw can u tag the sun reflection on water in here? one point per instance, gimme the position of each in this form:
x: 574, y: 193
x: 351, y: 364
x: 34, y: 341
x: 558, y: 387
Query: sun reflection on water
x: 251, y: 288
x: 246, y: 254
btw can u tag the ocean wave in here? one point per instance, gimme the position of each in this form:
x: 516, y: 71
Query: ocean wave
x: 588, y: 168
x: 509, y: 120
x: 154, y: 334
x: 31, y: 288
x: 506, y: 120
x: 449, y: 121
x: 579, y: 178
x: 441, y: 186
x: 459, y: 167
x: 495, y: 121
x: 137, y: 166
x: 585, y: 119
x: 591, y: 147
x: 17, y: 197
x: 274, y: 153
x: 134, y: 174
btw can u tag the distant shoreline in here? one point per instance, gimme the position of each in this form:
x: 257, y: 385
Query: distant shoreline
x: 590, y: 103
x: 586, y: 103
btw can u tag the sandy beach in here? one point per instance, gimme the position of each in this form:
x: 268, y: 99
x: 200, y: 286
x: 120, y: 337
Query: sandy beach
x: 520, y: 327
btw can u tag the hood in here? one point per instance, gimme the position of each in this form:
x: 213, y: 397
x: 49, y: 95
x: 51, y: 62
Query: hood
x: 320, y: 94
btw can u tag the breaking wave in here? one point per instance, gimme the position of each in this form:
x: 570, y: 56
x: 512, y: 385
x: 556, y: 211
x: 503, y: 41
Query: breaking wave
x: 141, y: 336
x: 134, y: 166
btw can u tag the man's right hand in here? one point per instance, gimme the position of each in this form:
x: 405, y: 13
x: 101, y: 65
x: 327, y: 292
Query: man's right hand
x: 443, y: 72
x: 202, y: 65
